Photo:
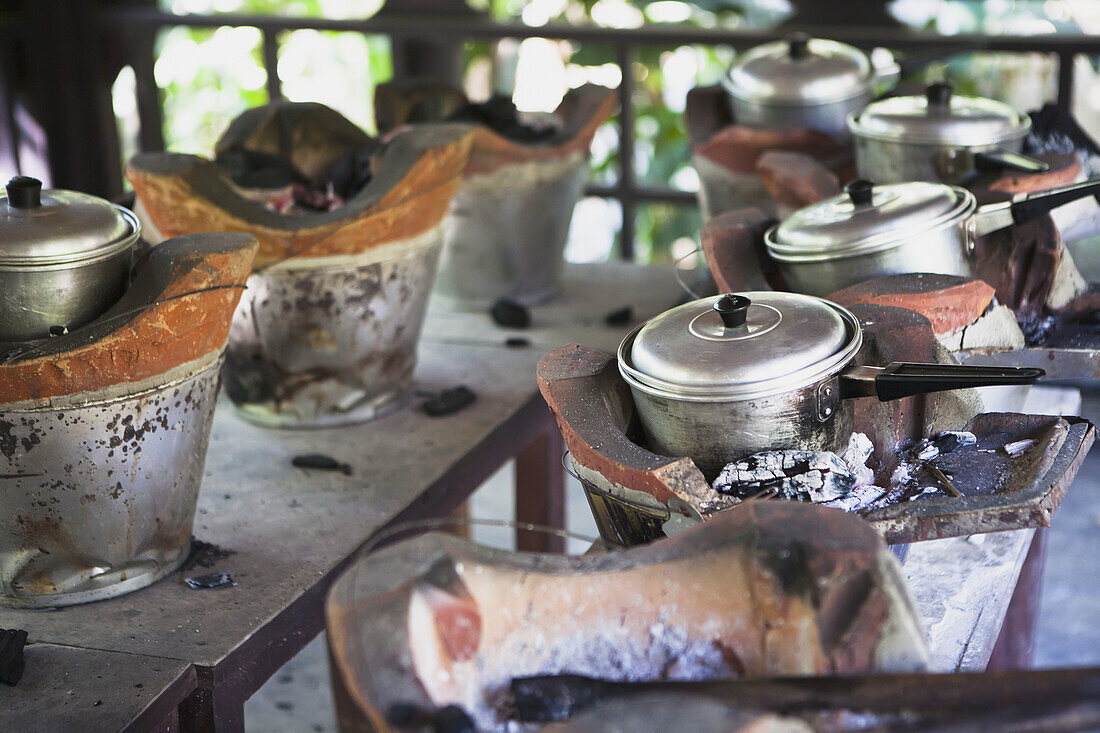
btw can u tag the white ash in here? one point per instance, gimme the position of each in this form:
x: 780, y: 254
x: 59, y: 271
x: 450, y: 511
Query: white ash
x: 860, y: 497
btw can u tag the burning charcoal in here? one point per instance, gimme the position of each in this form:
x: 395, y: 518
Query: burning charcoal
x: 12, y: 642
x: 449, y: 401
x: 321, y: 462
x: 620, y: 317
x: 949, y: 440
x: 517, y: 342
x: 1015, y: 449
x: 797, y: 475
x: 510, y: 314
x: 211, y: 581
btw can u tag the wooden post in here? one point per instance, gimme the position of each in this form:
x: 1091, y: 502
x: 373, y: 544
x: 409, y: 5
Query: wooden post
x: 540, y: 489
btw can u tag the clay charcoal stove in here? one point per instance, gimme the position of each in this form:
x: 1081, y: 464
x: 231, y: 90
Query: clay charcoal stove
x: 128, y: 395
x: 507, y: 230
x: 435, y: 621
x: 327, y: 331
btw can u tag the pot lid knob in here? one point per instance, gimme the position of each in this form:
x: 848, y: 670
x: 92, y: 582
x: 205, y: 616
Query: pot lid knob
x: 861, y: 192
x: 24, y: 192
x: 733, y: 309
x: 799, y: 46
x: 939, y: 94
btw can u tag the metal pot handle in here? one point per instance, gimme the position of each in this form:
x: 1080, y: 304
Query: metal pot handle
x: 1028, y: 207
x: 996, y: 160
x: 905, y: 379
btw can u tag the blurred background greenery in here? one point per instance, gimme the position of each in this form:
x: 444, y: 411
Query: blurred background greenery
x: 207, y: 77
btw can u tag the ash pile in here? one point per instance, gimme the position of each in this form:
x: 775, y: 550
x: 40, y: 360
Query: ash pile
x: 845, y: 481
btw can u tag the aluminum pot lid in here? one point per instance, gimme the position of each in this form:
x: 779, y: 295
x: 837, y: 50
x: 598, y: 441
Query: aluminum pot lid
x: 737, y: 340
x: 941, y: 117
x: 48, y: 227
x: 867, y: 218
x: 801, y: 71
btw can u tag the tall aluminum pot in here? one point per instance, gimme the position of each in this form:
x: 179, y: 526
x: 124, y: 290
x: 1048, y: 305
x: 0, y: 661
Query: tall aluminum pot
x: 331, y: 340
x: 506, y: 233
x: 64, y: 258
x: 870, y: 231
x: 804, y: 82
x: 722, y: 378
x: 938, y: 137
x: 99, y: 490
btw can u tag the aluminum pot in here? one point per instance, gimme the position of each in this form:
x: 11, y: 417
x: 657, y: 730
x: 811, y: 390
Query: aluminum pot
x: 871, y: 230
x: 804, y: 82
x: 64, y: 258
x: 722, y: 378
x: 940, y: 137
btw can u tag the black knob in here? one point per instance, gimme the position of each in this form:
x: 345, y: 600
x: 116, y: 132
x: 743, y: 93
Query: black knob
x: 939, y: 94
x: 733, y: 309
x: 24, y: 192
x: 798, y: 45
x: 861, y: 192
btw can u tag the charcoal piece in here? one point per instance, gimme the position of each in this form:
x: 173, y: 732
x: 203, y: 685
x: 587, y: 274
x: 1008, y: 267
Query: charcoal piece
x: 816, y: 476
x: 620, y: 317
x: 211, y: 581
x: 204, y: 554
x: 320, y: 462
x: 452, y: 719
x: 500, y: 114
x: 510, y: 314
x: 949, y: 440
x: 12, y: 663
x: 1018, y: 447
x: 552, y: 697
x: 353, y: 171
x: 252, y: 169
x: 855, y: 457
x: 449, y: 401
x: 517, y: 342
x: 926, y: 450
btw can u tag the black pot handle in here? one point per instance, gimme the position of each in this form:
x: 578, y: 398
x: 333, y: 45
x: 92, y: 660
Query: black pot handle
x: 996, y: 160
x: 1034, y: 205
x: 905, y: 379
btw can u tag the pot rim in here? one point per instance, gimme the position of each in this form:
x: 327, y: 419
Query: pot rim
x: 858, y: 131
x: 962, y: 213
x: 105, y: 251
x: 736, y: 93
x: 812, y: 374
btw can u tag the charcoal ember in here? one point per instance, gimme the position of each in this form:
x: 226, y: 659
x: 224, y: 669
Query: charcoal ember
x: 211, y: 581
x: 449, y: 401
x: 315, y: 199
x: 1038, y: 331
x: 510, y: 314
x: 620, y: 317
x: 815, y: 476
x: 12, y: 664
x: 320, y: 462
x: 253, y: 169
x: 949, y: 440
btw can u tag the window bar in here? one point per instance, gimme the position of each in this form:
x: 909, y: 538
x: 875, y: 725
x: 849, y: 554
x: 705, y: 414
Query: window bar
x: 1065, y: 81
x: 627, y: 201
x: 149, y: 103
x: 271, y: 64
